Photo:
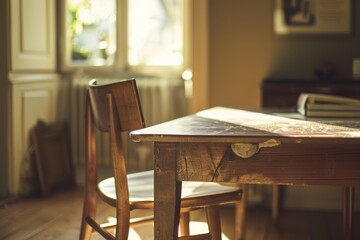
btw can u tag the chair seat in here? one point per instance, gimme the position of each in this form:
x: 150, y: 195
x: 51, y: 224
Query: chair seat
x: 141, y: 187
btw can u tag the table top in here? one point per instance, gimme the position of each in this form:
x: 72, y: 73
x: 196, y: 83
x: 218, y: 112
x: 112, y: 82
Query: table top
x: 223, y: 145
x: 229, y: 125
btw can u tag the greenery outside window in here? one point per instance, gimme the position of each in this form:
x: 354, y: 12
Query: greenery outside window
x: 91, y: 35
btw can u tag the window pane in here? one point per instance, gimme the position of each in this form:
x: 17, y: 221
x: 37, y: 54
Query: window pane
x: 91, y: 32
x: 155, y: 32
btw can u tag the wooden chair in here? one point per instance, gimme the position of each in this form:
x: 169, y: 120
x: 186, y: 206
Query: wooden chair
x: 115, y: 108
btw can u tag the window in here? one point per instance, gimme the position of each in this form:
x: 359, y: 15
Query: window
x: 126, y: 35
x: 91, y: 36
x: 155, y: 32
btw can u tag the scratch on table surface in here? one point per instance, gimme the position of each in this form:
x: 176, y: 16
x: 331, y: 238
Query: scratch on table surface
x: 253, y: 178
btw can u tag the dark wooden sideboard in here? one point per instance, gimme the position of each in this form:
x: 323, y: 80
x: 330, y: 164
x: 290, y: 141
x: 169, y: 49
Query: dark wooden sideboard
x: 279, y: 93
x: 283, y: 93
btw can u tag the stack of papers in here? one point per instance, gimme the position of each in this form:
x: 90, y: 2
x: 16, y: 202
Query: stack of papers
x: 323, y: 105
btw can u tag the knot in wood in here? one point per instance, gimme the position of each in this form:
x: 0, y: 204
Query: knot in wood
x: 247, y: 150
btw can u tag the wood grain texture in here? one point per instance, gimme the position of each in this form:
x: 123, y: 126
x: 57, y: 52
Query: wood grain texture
x: 302, y: 164
x: 166, y: 182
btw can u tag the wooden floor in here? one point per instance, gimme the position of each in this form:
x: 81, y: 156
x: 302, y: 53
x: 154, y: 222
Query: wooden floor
x: 58, y: 217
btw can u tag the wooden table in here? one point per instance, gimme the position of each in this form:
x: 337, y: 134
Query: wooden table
x: 230, y: 145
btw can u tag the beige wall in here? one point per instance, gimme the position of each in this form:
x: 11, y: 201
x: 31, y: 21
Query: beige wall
x: 244, y: 50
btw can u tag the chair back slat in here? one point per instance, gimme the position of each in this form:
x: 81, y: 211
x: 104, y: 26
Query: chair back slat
x: 126, y: 99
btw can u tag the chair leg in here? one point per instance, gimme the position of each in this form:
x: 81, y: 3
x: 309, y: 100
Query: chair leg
x: 85, y: 228
x: 85, y: 231
x: 348, y: 207
x: 122, y: 222
x: 89, y: 210
x: 213, y: 219
x: 184, y: 223
x: 275, y: 202
x: 240, y: 214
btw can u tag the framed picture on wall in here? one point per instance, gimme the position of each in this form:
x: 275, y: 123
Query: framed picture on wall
x: 312, y: 16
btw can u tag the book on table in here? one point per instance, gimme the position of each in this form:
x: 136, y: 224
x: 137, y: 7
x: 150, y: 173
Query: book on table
x: 324, y: 105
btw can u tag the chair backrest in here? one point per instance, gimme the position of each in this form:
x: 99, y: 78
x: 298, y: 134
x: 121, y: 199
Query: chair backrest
x: 114, y: 108
x: 125, y: 96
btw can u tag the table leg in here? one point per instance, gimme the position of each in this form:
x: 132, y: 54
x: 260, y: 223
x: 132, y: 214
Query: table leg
x: 348, y: 205
x: 167, y: 192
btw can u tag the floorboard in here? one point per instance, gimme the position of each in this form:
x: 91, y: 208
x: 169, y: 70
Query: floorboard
x: 57, y: 217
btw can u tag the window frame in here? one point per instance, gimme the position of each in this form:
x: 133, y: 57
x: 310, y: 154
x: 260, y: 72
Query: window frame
x: 120, y: 65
